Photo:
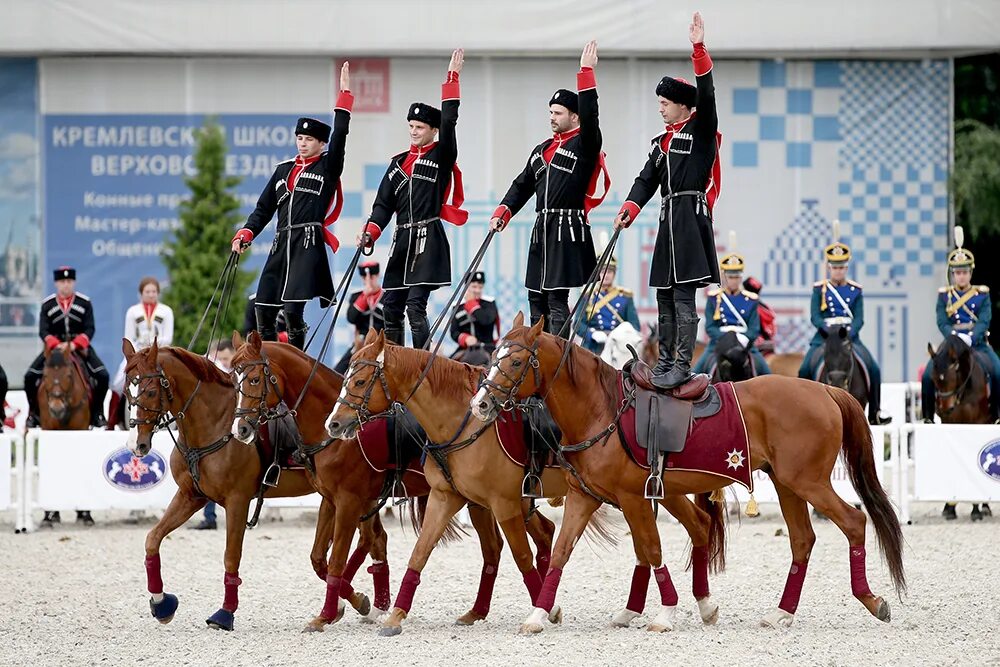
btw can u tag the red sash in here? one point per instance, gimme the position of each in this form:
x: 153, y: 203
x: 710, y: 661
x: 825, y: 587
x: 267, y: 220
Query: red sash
x: 453, y: 212
x: 331, y: 217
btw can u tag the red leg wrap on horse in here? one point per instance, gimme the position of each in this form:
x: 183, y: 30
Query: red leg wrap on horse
x: 547, y: 597
x: 640, y: 585
x: 154, y: 583
x: 793, y: 587
x: 668, y: 594
x: 354, y: 563
x: 404, y: 599
x: 699, y: 572
x: 542, y: 562
x: 485, y: 595
x: 380, y: 578
x: 332, y: 602
x: 533, y: 582
x: 232, y: 599
x: 346, y: 590
x: 859, y: 580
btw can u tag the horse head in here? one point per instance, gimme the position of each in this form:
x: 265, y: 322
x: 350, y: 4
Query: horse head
x: 148, y: 393
x: 951, y: 370
x: 63, y: 393
x: 732, y: 359
x: 838, y: 358
x: 259, y: 388
x: 513, y: 374
x: 365, y: 392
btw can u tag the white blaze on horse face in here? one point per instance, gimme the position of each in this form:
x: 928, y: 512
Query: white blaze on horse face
x: 491, y: 376
x: 235, y: 429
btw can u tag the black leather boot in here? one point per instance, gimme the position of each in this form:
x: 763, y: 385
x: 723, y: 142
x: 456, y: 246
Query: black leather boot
x: 687, y: 332
x: 420, y: 330
x: 297, y: 329
x: 267, y: 322
x: 666, y: 342
x: 395, y: 334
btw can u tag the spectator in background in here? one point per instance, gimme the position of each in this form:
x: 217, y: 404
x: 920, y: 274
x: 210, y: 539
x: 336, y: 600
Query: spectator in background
x: 364, y: 311
x: 768, y: 325
x: 3, y: 399
x: 221, y: 353
x: 145, y: 322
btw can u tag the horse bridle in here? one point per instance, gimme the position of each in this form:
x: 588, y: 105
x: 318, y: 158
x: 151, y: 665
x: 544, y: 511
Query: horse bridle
x: 161, y: 414
x: 262, y: 414
x: 509, y: 403
x: 958, y: 392
x: 57, y: 392
x: 849, y: 374
x: 360, y: 407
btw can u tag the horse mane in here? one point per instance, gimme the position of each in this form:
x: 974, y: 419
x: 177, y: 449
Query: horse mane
x: 442, y: 376
x: 576, y: 366
x: 963, y: 353
x: 323, y: 372
x: 203, y: 369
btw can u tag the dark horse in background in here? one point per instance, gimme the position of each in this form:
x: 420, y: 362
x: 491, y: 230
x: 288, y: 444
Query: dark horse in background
x: 841, y: 367
x: 961, y: 390
x: 732, y: 360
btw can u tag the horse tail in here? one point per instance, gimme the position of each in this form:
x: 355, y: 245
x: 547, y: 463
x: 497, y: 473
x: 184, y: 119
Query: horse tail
x: 860, y: 462
x: 599, y: 529
x: 453, y: 532
x: 716, y: 530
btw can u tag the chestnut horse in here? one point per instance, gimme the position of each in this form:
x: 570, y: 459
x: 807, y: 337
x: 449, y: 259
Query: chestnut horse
x: 63, y: 394
x: 171, y: 385
x: 268, y: 372
x: 796, y: 429
x: 480, y: 472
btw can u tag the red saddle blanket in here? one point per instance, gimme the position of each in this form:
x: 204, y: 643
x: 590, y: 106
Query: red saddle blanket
x: 266, y: 444
x: 717, y: 445
x: 511, y: 428
x: 373, y: 438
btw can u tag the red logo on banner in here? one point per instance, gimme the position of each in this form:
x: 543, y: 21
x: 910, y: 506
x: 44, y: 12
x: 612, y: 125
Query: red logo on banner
x: 369, y: 83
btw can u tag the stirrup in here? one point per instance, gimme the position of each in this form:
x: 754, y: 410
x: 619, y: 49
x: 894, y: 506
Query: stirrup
x: 531, y: 486
x: 653, y: 489
x: 271, y: 475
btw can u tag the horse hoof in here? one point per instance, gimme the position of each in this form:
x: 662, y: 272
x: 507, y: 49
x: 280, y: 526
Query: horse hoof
x: 623, y: 618
x: 664, y: 621
x: 361, y: 603
x: 534, y: 623
x: 164, y: 610
x: 221, y: 620
x: 556, y: 616
x: 882, y: 613
x: 777, y: 619
x: 709, y: 610
x: 374, y: 615
x: 316, y: 625
x: 341, y: 608
x: 469, y: 618
x: 390, y: 630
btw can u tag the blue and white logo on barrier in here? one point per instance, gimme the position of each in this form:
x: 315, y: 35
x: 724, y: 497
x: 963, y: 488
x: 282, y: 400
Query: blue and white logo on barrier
x: 125, y: 470
x: 989, y: 460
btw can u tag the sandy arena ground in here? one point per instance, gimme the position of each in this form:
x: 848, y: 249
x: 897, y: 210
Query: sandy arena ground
x: 77, y: 596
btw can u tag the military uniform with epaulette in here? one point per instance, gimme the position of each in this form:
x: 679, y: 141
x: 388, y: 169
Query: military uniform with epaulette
x: 607, y: 309
x: 967, y: 314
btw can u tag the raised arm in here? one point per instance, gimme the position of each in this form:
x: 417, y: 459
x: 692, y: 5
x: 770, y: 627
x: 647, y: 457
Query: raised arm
x: 586, y: 85
x: 708, y: 118
x: 450, y: 97
x: 341, y: 126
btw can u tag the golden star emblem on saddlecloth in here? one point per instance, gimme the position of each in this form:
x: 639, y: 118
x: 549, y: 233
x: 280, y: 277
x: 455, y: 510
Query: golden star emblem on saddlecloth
x: 735, y: 459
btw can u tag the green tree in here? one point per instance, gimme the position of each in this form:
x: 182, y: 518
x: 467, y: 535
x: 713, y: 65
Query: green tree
x: 196, y: 253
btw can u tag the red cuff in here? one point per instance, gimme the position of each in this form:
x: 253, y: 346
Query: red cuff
x: 632, y: 209
x: 82, y: 341
x: 361, y: 303
x: 585, y: 79
x: 345, y: 101
x: 463, y: 339
x: 51, y: 342
x: 503, y: 213
x: 450, y: 91
x: 702, y: 61
x: 374, y: 231
x: 244, y: 235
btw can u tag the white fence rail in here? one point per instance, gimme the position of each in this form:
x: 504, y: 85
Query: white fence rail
x: 93, y: 470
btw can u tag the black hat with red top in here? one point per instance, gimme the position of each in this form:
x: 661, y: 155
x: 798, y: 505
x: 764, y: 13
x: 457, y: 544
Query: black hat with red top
x: 566, y: 98
x: 424, y: 113
x: 677, y: 90
x: 313, y: 128
x: 369, y: 268
x: 64, y: 273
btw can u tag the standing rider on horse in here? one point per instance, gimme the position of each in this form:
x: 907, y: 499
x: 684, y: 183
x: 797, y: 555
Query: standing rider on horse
x: 68, y: 317
x: 562, y: 173
x: 684, y: 165
x: 476, y: 325
x: 610, y: 307
x: 306, y: 194
x: 837, y: 302
x: 732, y: 308
x: 963, y: 310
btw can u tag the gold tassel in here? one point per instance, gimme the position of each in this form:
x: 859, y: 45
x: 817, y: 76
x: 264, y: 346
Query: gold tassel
x: 752, y: 509
x: 717, y: 496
